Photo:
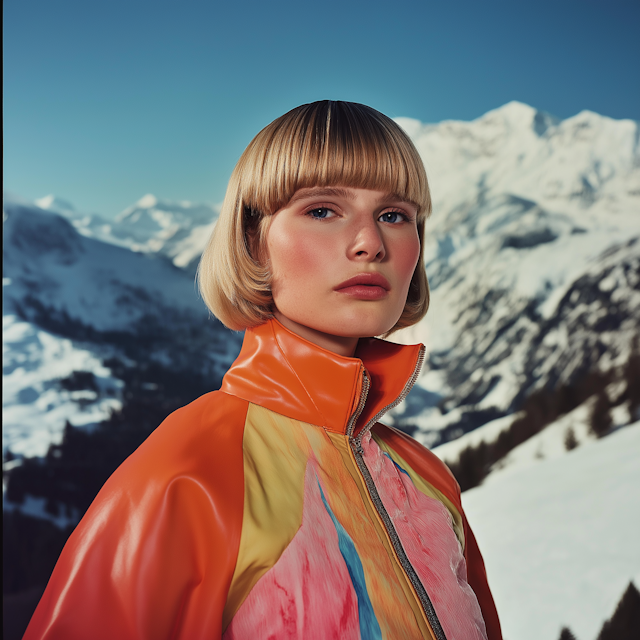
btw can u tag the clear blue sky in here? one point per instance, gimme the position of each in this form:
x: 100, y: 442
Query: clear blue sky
x: 108, y: 100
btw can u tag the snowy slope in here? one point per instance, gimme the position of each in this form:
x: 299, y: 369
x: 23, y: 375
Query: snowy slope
x: 533, y: 256
x: 559, y: 537
x: 177, y: 230
x: 549, y: 442
x: 489, y: 432
x: 35, y: 407
x: 72, y: 301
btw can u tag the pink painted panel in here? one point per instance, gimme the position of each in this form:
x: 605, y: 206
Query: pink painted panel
x: 425, y: 529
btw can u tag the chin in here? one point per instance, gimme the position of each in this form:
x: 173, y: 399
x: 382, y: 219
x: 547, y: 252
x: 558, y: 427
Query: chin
x: 368, y: 325
x: 362, y: 329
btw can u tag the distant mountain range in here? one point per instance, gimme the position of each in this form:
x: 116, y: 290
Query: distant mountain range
x: 177, y: 230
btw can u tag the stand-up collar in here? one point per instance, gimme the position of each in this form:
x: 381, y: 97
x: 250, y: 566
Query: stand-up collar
x: 281, y: 371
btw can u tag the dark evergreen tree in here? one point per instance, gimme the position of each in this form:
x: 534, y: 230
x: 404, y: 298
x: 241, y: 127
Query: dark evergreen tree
x: 632, y: 377
x: 600, y: 421
x: 540, y: 409
x: 625, y: 621
x: 472, y: 466
x: 566, y: 634
x: 570, y: 441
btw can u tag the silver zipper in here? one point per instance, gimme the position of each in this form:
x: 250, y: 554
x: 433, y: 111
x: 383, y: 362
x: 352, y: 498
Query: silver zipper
x: 364, y: 392
x: 356, y: 446
x: 405, y: 392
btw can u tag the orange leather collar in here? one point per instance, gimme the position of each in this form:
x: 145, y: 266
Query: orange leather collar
x: 285, y: 373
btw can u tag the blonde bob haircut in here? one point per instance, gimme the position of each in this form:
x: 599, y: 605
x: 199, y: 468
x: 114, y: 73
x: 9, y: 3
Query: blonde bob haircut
x: 327, y: 143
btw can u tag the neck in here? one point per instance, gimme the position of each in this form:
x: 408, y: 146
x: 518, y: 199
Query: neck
x: 340, y: 345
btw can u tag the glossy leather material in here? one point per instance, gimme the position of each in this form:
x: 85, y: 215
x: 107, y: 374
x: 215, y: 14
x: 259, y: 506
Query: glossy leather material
x: 390, y: 367
x: 155, y: 555
x: 295, y: 378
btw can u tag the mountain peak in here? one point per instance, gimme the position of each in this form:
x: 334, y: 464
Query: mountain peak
x: 517, y: 107
x: 519, y: 115
x: 53, y: 203
x: 147, y: 202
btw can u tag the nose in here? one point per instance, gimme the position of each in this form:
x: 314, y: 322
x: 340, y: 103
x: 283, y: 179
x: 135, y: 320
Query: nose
x: 368, y: 244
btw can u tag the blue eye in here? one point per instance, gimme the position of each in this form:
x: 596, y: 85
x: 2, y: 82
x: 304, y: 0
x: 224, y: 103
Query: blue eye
x: 320, y: 213
x: 392, y: 216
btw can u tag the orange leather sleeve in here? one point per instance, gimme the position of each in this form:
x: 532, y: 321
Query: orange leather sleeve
x: 434, y: 471
x: 154, y: 555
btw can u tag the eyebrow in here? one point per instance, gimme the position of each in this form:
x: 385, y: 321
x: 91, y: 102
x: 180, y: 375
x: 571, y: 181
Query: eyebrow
x: 319, y: 192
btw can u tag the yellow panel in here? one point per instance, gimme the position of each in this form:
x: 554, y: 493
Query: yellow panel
x: 275, y: 459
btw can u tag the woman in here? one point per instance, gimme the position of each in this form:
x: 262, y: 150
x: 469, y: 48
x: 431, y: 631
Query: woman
x: 278, y: 506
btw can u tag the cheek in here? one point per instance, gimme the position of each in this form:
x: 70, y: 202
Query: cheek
x: 407, y: 255
x: 295, y: 255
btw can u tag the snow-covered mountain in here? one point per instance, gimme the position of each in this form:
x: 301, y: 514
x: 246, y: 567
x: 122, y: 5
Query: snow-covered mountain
x: 532, y: 253
x: 533, y: 256
x: 73, y: 302
x: 177, y: 230
x: 516, y: 149
x: 56, y: 271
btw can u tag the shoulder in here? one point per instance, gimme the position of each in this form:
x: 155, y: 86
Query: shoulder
x: 198, y: 442
x: 161, y: 536
x: 213, y: 417
x: 191, y: 467
x: 422, y: 461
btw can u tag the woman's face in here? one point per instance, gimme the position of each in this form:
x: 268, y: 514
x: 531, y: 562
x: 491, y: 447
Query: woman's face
x: 342, y: 260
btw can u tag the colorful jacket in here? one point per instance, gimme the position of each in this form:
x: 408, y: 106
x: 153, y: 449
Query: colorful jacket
x: 277, y: 507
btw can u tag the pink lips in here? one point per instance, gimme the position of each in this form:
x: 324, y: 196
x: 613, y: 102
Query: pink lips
x: 365, y: 286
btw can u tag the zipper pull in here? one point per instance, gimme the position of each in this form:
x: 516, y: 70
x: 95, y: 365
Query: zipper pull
x: 356, y: 442
x: 364, y: 391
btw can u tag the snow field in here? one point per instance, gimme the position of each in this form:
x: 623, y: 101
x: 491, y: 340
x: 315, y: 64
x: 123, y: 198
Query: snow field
x: 559, y: 537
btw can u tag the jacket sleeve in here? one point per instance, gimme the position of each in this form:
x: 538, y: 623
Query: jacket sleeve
x: 154, y: 555
x: 434, y: 471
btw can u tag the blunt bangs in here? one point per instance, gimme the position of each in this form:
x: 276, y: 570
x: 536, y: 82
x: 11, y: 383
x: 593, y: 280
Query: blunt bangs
x: 332, y: 144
